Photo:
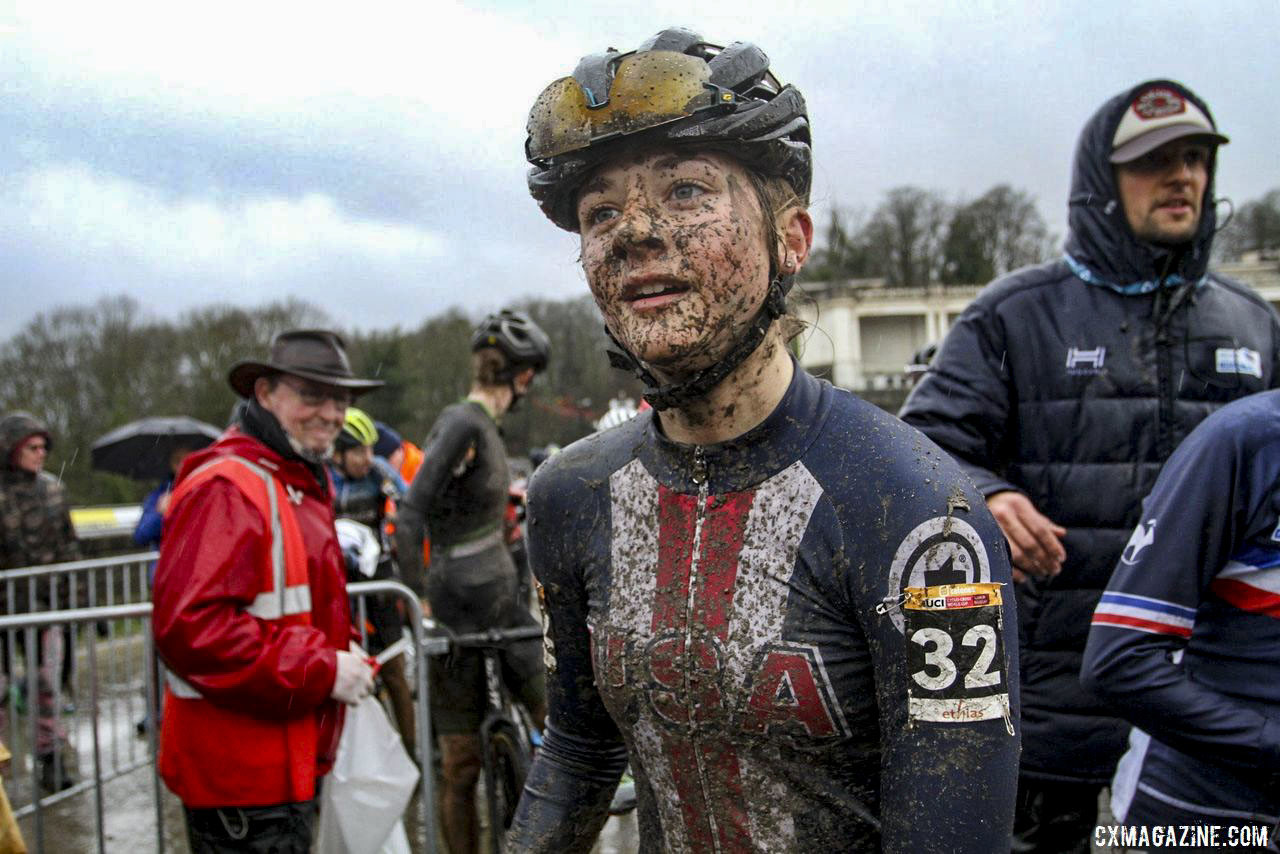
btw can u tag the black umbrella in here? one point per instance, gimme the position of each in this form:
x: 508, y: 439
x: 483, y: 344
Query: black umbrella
x: 141, y: 449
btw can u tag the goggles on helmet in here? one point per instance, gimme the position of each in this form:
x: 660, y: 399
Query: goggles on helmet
x: 648, y: 89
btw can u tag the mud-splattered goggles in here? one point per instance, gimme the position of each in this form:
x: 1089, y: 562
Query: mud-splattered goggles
x: 648, y: 89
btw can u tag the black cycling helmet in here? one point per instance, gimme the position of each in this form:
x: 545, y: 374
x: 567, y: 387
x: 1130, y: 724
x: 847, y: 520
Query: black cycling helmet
x: 675, y: 88
x: 517, y: 337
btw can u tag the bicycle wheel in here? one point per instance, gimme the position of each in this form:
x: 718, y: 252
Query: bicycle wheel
x: 507, y: 758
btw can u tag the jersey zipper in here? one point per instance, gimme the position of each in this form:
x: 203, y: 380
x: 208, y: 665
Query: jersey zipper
x: 700, y: 478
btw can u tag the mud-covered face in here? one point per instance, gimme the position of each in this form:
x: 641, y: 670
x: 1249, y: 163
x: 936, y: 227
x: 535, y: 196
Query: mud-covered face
x: 674, y: 249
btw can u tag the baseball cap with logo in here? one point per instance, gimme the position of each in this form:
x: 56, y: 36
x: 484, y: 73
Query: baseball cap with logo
x: 1159, y: 113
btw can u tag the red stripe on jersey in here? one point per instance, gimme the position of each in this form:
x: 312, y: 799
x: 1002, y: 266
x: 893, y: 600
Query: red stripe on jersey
x: 1139, y: 623
x: 675, y: 552
x: 1246, y: 597
x: 683, y: 758
x: 706, y: 772
x: 718, y: 555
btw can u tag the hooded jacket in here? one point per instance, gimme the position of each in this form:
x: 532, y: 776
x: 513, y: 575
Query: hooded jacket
x: 1072, y: 382
x: 209, y: 573
x: 35, y: 519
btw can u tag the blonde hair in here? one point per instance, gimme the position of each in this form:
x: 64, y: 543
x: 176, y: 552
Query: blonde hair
x: 776, y: 196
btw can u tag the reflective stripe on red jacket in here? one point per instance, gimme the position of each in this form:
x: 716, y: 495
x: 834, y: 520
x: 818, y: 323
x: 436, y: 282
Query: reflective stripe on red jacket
x: 248, y: 598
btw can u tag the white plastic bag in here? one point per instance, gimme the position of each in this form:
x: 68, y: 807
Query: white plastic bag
x: 367, y: 791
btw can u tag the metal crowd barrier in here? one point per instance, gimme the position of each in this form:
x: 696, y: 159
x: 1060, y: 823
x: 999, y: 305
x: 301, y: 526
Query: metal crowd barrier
x: 109, y: 693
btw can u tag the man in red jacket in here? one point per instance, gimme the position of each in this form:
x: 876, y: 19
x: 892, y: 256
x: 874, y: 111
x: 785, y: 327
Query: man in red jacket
x: 251, y: 613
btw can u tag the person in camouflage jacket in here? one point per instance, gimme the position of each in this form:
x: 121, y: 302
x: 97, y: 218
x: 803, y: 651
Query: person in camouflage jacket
x: 35, y: 529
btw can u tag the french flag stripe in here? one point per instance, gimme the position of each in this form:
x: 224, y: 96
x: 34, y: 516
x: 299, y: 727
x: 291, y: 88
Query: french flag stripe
x: 1258, y: 557
x: 1252, y: 575
x: 1112, y: 613
x: 1246, y: 597
x: 1145, y: 603
x: 1138, y: 624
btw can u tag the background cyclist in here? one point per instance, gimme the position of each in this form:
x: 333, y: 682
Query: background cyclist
x: 361, y: 486
x: 459, y: 496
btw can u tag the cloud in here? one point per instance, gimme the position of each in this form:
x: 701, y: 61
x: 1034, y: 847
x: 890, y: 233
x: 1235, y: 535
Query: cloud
x: 258, y: 247
x: 107, y: 214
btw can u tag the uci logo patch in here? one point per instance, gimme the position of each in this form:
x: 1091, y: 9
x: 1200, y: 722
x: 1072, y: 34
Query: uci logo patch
x: 1082, y: 362
x: 1238, y: 361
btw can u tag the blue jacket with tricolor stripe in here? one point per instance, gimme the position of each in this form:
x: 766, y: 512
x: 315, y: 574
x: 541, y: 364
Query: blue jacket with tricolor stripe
x: 731, y: 617
x: 1185, y: 642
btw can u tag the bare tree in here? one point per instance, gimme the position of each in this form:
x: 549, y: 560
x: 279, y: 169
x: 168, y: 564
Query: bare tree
x: 995, y: 234
x: 906, y: 232
x: 844, y: 252
x: 1255, y: 227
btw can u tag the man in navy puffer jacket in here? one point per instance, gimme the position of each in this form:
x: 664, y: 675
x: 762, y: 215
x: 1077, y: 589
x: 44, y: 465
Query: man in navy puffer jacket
x: 1062, y: 390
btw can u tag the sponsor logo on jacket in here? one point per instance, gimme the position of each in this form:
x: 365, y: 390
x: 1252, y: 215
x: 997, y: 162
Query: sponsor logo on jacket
x: 1240, y: 360
x: 1083, y: 363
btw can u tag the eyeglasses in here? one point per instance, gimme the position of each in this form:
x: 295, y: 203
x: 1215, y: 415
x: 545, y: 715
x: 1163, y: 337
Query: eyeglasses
x: 313, y: 394
x: 648, y: 89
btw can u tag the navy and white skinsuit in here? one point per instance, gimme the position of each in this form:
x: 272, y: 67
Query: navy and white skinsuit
x: 1185, y: 642
x: 713, y: 611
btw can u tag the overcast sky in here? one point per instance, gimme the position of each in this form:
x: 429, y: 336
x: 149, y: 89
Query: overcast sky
x: 369, y: 157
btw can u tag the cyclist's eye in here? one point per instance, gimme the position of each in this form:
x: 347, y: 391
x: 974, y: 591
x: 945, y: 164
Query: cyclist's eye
x: 686, y: 192
x: 601, y: 214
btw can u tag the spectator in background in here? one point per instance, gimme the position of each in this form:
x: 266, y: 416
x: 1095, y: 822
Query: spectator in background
x: 35, y: 529
x: 151, y: 524
x: 406, y: 458
x: 362, y: 487
x: 251, y: 612
x: 1064, y: 387
x: 394, y: 450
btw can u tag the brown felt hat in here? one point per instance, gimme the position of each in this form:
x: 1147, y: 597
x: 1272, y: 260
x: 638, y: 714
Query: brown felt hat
x: 313, y: 354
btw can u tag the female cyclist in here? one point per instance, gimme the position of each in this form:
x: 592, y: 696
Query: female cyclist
x: 783, y: 604
x: 459, y: 497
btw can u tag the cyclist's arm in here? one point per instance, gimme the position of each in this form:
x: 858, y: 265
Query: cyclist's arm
x: 947, y: 783
x: 1212, y: 496
x: 444, y: 449
x: 566, y: 797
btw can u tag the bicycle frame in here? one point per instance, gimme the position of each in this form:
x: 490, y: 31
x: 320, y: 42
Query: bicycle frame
x: 505, y: 719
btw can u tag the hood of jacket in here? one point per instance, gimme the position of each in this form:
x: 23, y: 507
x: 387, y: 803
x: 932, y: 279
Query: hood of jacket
x: 16, y: 426
x: 1101, y: 247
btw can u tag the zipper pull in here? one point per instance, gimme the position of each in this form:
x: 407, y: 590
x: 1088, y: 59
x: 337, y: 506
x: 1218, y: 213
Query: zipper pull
x: 699, y: 466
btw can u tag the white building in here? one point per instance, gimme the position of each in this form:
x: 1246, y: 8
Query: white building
x: 862, y: 334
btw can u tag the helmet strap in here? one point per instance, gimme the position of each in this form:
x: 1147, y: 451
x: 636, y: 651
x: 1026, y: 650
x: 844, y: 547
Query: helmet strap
x: 516, y: 396
x: 679, y: 394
